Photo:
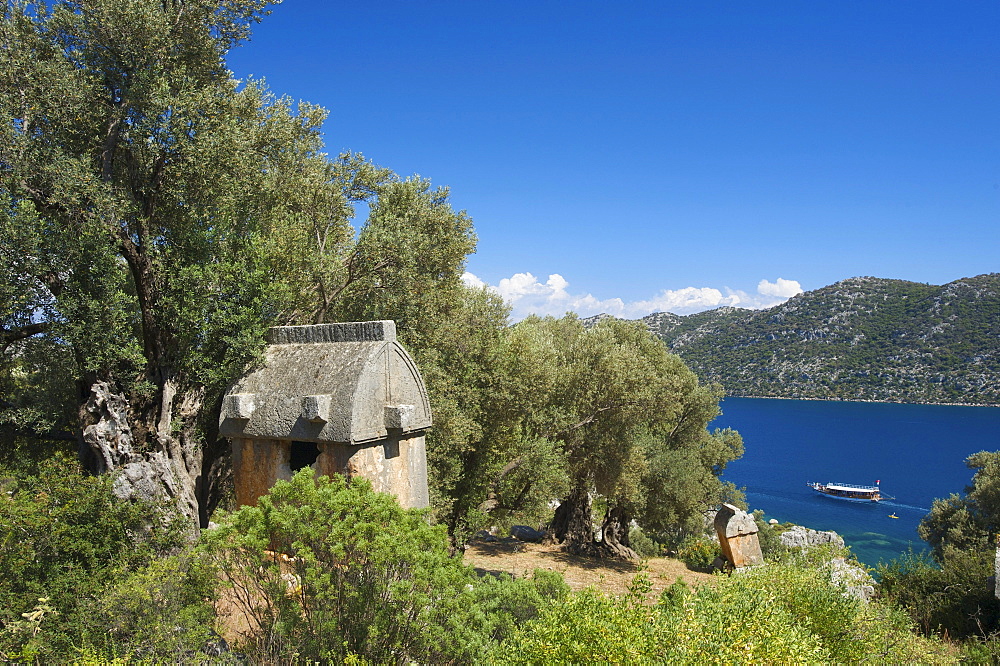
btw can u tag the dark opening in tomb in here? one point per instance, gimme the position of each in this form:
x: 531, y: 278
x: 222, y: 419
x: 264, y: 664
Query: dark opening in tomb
x: 304, y: 454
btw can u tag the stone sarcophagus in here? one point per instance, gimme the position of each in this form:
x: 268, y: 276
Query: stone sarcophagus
x: 737, y: 532
x: 341, y: 398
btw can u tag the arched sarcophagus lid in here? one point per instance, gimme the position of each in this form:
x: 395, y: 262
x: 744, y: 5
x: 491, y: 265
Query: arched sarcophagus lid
x: 348, y: 383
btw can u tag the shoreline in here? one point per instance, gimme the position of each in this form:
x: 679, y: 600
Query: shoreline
x: 919, y: 455
x: 882, y: 402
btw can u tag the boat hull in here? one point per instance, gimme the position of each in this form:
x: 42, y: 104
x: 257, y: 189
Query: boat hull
x: 860, y: 500
x: 858, y: 494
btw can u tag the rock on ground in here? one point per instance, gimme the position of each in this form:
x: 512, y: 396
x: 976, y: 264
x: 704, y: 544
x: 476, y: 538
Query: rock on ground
x: 852, y: 578
x: 525, y: 533
x: 803, y: 537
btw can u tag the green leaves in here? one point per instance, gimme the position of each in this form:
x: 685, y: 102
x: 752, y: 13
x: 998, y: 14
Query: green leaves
x: 66, y: 537
x: 776, y: 614
x: 972, y: 521
x: 327, y: 569
x: 139, y: 185
x: 629, y: 418
x: 945, y: 594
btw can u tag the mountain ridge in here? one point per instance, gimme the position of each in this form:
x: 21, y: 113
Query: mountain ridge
x: 862, y: 338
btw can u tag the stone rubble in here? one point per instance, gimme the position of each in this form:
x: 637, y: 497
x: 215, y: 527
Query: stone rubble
x: 803, y: 537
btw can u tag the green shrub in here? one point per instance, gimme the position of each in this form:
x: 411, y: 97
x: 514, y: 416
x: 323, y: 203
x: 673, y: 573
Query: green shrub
x: 769, y: 537
x: 951, y: 596
x: 328, y: 570
x: 65, y: 538
x: 588, y: 627
x: 162, y: 613
x: 775, y: 614
x: 642, y: 544
x: 675, y: 595
x: 699, y: 552
x: 981, y: 650
x: 506, y: 603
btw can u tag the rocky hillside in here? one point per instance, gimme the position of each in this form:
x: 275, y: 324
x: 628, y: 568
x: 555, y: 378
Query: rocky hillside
x: 863, y: 338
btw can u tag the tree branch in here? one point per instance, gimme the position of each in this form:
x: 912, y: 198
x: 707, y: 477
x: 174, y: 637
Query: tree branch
x: 592, y: 418
x: 352, y: 277
x: 155, y: 181
x: 145, y: 288
x: 491, y: 502
x: 111, y: 135
x: 10, y: 336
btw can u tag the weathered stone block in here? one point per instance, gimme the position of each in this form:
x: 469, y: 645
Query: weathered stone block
x: 316, y: 408
x: 852, y: 578
x: 804, y: 537
x: 355, y: 331
x: 238, y: 406
x: 737, y: 533
x: 399, y: 417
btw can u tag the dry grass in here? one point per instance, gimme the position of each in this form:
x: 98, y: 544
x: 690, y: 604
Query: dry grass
x: 609, y: 576
x: 518, y: 559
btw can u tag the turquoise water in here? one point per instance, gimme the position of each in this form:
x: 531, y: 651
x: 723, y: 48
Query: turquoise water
x: 917, y: 451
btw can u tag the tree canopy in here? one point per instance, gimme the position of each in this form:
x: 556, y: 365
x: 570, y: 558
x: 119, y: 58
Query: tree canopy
x: 576, y: 413
x: 156, y: 216
x: 135, y: 178
x: 970, y: 521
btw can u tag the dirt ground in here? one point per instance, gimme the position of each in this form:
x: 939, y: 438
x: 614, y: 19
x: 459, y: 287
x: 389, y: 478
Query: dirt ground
x: 610, y: 576
x: 519, y: 559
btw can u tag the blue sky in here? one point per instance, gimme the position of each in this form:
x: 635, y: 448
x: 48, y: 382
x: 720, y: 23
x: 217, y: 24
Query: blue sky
x: 639, y: 156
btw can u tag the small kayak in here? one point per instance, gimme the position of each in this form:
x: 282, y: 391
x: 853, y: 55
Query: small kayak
x: 892, y: 515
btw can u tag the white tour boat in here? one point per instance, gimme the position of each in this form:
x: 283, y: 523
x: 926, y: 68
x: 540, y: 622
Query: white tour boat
x: 849, y: 491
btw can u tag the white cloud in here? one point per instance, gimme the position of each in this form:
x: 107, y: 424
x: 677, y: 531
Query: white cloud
x: 781, y: 288
x: 524, y: 285
x: 528, y: 295
x: 471, y: 280
x: 684, y: 301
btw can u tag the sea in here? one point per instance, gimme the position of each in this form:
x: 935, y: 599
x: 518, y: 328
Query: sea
x: 916, y: 452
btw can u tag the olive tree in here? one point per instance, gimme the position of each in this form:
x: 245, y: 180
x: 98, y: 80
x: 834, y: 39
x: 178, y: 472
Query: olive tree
x: 970, y: 521
x: 137, y: 180
x: 629, y: 419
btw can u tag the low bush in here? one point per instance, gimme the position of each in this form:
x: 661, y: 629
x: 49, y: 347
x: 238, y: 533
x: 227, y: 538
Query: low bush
x: 643, y: 544
x: 65, y: 539
x: 328, y: 570
x: 769, y: 537
x: 981, y: 650
x: 951, y: 596
x: 780, y: 613
x: 161, y: 613
x: 699, y: 552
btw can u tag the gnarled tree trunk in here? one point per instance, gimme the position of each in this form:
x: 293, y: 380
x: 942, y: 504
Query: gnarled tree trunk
x: 216, y: 472
x: 572, y: 524
x: 152, y: 448
x: 614, y: 534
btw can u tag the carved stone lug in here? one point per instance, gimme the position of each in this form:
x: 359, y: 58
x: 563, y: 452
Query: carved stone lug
x: 316, y: 408
x: 399, y: 417
x: 239, y: 406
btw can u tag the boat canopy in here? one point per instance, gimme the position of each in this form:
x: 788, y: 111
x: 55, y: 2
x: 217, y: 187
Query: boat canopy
x: 849, y: 488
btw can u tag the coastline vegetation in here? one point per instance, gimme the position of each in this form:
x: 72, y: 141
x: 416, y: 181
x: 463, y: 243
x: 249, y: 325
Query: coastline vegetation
x: 156, y: 217
x: 326, y: 570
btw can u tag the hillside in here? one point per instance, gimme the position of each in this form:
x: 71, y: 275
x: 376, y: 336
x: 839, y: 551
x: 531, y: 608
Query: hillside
x: 863, y: 338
